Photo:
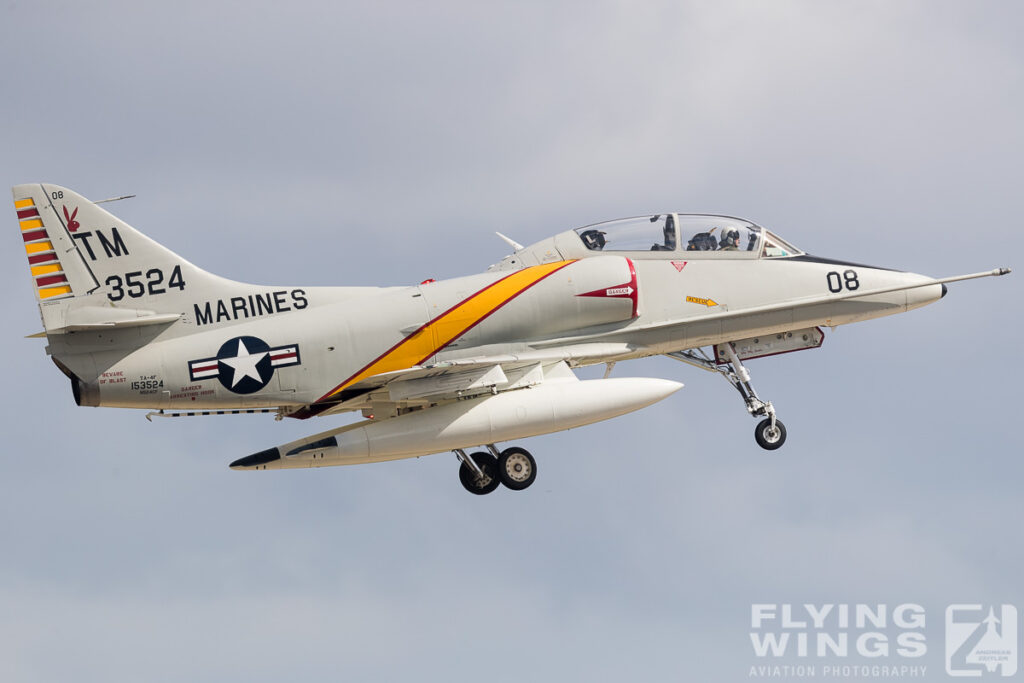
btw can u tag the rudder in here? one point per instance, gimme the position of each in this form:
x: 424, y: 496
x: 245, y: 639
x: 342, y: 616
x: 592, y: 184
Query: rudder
x: 51, y: 251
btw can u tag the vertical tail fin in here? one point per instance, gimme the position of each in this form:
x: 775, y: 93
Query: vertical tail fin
x: 84, y: 260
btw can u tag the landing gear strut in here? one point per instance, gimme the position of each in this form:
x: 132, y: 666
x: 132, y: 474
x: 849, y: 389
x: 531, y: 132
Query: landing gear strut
x: 770, y: 433
x: 481, y: 472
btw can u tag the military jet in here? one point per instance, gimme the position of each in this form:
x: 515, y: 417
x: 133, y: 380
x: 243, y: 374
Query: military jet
x: 449, y: 365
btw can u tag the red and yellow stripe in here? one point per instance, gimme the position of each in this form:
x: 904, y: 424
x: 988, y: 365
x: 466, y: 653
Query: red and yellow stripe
x: 49, y: 276
x: 450, y: 325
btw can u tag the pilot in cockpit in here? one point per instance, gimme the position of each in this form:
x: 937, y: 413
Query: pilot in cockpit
x: 594, y: 239
x: 703, y: 241
x: 730, y: 240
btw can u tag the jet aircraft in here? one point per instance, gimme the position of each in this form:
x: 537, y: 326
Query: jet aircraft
x: 450, y: 365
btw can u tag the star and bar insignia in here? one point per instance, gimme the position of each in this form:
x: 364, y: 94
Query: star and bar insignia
x: 244, y: 365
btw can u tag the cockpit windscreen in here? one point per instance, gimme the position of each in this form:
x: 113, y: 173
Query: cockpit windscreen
x: 718, y: 233
x: 646, y: 233
x: 721, y: 235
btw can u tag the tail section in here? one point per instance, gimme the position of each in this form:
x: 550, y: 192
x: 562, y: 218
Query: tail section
x: 89, y: 268
x: 50, y: 251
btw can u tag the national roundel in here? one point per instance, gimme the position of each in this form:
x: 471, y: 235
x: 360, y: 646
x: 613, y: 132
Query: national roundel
x: 244, y: 365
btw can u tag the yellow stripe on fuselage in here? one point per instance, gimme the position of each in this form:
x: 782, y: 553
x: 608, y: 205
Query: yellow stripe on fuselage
x: 32, y: 223
x: 452, y: 324
x: 23, y: 203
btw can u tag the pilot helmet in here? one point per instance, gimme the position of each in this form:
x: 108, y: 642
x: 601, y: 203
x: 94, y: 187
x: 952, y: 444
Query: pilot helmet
x: 594, y: 239
x: 730, y: 238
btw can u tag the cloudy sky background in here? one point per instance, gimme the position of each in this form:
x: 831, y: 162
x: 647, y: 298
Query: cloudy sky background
x: 318, y: 144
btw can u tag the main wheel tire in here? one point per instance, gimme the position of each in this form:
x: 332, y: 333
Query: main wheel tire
x: 768, y: 438
x: 480, y: 485
x: 516, y: 468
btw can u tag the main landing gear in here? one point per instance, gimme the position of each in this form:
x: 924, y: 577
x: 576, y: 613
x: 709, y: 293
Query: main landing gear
x: 770, y: 433
x: 482, y: 472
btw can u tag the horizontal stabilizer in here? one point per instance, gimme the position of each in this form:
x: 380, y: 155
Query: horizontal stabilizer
x: 103, y: 318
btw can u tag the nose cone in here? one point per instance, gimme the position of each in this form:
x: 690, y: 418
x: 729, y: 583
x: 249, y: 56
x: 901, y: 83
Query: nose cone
x: 923, y: 295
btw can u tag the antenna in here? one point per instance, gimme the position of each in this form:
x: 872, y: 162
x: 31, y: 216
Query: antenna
x: 511, y: 242
x: 115, y: 199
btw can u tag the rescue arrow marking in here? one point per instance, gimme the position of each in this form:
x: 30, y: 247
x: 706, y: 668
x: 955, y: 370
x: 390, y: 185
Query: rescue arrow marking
x: 627, y: 290
x: 705, y: 302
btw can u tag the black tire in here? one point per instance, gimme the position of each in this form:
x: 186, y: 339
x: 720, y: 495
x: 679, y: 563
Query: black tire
x: 486, y: 462
x: 764, y: 436
x: 516, y: 468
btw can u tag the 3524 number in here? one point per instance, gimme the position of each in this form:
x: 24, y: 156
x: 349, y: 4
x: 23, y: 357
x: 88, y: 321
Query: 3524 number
x: 136, y: 284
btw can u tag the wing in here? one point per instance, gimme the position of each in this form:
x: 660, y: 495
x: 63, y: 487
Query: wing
x: 389, y: 394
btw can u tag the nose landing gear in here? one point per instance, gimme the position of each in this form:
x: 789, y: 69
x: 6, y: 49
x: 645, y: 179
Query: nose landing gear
x: 770, y: 433
x: 770, y: 436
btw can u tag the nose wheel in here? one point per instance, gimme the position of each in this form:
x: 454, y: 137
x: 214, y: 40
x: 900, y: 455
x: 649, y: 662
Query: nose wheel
x: 482, y: 472
x: 770, y: 436
x: 770, y: 433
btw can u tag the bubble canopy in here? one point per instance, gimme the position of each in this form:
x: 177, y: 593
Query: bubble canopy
x: 697, y: 234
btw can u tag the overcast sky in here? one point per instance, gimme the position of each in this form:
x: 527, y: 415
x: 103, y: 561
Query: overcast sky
x: 374, y: 143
